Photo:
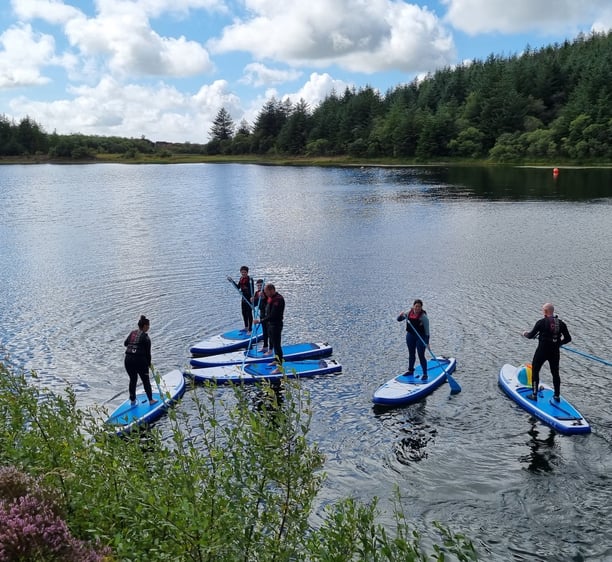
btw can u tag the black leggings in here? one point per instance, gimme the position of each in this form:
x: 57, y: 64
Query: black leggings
x: 540, y: 357
x: 274, y: 335
x: 137, y: 369
x: 247, y: 315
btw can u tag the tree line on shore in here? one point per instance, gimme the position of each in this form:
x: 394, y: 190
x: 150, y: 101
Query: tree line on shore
x: 554, y: 103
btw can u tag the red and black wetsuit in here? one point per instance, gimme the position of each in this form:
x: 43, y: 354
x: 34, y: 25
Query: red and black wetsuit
x: 246, y: 287
x: 552, y: 333
x: 273, y: 317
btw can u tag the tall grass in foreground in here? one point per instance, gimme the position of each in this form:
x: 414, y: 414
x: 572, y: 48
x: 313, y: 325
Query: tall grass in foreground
x: 233, y: 481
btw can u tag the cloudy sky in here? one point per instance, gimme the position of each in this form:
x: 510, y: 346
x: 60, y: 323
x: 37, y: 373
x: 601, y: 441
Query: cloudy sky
x: 163, y: 68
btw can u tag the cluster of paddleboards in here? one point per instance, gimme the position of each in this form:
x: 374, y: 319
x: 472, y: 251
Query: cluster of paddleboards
x: 216, y: 360
x: 231, y: 357
x: 515, y: 381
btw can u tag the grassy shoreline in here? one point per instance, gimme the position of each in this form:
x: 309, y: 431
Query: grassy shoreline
x: 321, y: 161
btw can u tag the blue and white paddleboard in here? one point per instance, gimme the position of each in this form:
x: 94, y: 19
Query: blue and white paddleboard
x: 291, y: 352
x: 405, y: 388
x: 254, y: 372
x: 227, y: 341
x: 562, y: 416
x: 126, y: 417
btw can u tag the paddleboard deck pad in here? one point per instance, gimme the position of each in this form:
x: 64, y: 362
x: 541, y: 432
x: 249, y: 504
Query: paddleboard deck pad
x: 126, y: 417
x: 405, y: 388
x: 291, y: 352
x: 561, y: 415
x: 255, y: 372
x: 227, y: 341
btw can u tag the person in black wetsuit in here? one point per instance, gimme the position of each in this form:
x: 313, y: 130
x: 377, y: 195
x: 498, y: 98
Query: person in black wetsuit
x: 417, y: 335
x: 260, y: 301
x: 552, y: 333
x: 245, y: 286
x: 138, y: 359
x: 273, y: 317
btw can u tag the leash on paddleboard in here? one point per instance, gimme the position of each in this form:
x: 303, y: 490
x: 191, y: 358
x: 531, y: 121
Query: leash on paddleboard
x: 454, y: 385
x: 593, y: 357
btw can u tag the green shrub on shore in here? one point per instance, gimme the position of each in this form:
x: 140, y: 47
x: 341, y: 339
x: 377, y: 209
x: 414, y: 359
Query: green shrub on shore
x: 230, y: 479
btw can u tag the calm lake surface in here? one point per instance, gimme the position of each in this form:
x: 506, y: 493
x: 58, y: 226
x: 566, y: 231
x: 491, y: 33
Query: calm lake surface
x: 86, y: 249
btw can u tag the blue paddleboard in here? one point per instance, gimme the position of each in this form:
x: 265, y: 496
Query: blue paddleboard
x: 227, y: 341
x: 126, y: 417
x: 254, y: 372
x: 291, y: 352
x: 405, y: 388
x: 560, y: 415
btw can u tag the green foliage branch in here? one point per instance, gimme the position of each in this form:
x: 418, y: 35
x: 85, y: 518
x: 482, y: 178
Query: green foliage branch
x: 229, y: 476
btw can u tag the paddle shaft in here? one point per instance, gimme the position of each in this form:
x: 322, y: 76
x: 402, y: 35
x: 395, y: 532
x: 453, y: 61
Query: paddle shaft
x: 454, y: 385
x: 255, y: 312
x: 593, y: 357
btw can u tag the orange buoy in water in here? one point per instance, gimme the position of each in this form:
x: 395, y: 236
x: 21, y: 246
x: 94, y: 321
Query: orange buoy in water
x: 555, y: 172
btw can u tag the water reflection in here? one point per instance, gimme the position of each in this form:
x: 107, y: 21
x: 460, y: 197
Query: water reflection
x: 414, y: 434
x: 543, y: 449
x: 522, y: 183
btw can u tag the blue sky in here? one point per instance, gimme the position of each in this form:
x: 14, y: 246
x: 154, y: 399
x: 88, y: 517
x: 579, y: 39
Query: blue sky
x: 163, y: 68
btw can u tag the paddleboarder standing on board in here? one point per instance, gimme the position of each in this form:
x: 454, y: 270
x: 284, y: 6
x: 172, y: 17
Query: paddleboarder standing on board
x: 273, y: 317
x: 138, y: 359
x: 260, y: 301
x: 417, y: 335
x: 245, y: 286
x: 552, y: 333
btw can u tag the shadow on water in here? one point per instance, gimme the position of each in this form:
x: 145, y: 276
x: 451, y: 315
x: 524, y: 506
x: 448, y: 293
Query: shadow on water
x: 543, y: 450
x: 413, y: 434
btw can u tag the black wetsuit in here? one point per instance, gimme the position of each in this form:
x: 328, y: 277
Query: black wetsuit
x: 273, y: 317
x: 552, y: 333
x: 261, y: 301
x: 137, y: 361
x: 246, y: 287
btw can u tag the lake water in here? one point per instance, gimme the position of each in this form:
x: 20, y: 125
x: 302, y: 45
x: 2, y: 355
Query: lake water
x: 86, y: 249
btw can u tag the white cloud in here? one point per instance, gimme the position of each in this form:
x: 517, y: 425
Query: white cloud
x: 318, y: 87
x: 360, y: 35
x: 543, y: 16
x: 22, y: 55
x: 159, y: 112
x: 259, y: 74
x: 51, y: 11
x: 122, y: 37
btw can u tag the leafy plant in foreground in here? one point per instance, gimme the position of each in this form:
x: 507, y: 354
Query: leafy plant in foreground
x: 230, y: 475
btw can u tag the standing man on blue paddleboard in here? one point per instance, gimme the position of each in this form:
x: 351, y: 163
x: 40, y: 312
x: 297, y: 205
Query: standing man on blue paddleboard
x: 552, y: 333
x: 275, y: 310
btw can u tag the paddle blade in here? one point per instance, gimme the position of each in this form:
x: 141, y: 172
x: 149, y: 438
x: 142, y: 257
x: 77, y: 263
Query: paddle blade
x: 454, y: 385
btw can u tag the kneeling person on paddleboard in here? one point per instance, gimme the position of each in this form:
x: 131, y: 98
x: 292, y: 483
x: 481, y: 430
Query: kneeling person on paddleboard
x: 552, y: 333
x: 417, y: 335
x: 138, y: 359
